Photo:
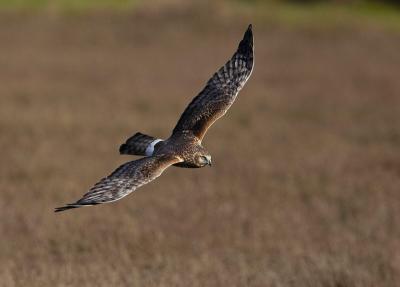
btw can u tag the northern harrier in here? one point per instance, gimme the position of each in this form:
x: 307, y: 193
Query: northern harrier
x: 183, y: 148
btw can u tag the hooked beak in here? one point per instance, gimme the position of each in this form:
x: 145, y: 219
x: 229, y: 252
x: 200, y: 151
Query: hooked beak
x: 209, y: 162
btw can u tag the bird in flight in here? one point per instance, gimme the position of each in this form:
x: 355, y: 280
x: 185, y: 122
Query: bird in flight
x: 183, y: 148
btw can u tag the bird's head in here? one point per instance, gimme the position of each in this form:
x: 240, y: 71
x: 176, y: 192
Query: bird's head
x: 203, y: 160
x: 202, y: 157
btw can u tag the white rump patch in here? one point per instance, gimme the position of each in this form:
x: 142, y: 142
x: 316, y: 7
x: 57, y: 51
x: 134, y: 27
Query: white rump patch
x: 150, y: 147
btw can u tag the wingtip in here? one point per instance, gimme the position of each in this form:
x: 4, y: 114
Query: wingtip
x: 246, y: 45
x: 66, y: 207
x: 62, y: 208
x: 123, y: 148
x: 248, y: 35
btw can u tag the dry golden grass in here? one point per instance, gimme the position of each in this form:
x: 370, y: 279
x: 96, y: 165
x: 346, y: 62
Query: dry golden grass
x: 304, y: 190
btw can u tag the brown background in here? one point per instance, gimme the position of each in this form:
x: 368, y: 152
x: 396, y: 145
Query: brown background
x: 304, y: 188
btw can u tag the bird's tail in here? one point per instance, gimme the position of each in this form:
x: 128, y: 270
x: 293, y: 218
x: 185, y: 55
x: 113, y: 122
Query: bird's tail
x: 139, y: 144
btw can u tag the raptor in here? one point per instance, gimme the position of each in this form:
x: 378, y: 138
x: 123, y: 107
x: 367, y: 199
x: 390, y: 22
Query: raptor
x: 183, y: 148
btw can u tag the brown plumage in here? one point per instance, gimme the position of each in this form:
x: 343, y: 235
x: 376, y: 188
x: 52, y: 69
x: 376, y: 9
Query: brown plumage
x: 124, y: 180
x: 220, y: 92
x: 183, y: 148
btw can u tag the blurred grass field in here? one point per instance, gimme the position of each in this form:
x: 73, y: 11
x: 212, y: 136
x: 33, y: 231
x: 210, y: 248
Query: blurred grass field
x: 304, y: 188
x: 287, y: 12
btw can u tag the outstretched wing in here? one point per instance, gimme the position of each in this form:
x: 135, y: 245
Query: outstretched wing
x: 125, y: 179
x: 220, y: 92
